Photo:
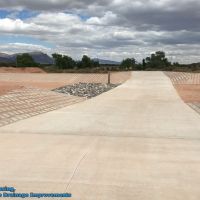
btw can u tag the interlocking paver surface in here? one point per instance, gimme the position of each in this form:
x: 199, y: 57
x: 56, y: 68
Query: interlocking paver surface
x: 28, y: 102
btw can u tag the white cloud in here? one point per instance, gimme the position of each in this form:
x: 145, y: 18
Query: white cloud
x: 108, y: 18
x: 112, y: 29
x: 17, y: 26
x: 10, y: 25
x: 23, y: 47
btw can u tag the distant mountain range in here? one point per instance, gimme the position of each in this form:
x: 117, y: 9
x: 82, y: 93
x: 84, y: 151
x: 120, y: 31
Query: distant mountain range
x: 42, y: 58
x: 106, y: 62
x: 39, y: 57
x: 5, y: 58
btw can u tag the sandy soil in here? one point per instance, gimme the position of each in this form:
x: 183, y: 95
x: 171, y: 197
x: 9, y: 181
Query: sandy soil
x: 21, y: 70
x: 12, y: 81
x: 189, y: 93
x: 6, y: 87
x: 187, y: 85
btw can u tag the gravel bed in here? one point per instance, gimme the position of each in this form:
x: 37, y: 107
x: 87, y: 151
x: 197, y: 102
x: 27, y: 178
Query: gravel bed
x: 88, y: 90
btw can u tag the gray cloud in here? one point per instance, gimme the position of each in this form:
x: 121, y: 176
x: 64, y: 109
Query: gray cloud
x: 113, y: 29
x: 142, y: 14
x: 163, y: 15
x: 54, y: 5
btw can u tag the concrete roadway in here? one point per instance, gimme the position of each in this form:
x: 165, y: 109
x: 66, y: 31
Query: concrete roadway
x: 139, y: 141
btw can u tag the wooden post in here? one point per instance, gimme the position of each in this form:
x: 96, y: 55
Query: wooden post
x: 108, y: 76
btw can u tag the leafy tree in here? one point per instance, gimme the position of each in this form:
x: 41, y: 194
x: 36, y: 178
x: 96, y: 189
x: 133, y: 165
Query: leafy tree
x: 128, y: 63
x: 63, y: 61
x: 58, y: 60
x: 78, y: 64
x: 157, y: 60
x: 86, y: 62
x: 68, y: 62
x: 25, y: 60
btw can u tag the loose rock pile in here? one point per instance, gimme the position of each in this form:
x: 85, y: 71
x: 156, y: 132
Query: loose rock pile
x: 88, y: 90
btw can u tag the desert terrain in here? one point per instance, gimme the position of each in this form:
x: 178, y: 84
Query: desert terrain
x: 13, y: 78
x: 26, y: 94
x: 188, y: 87
x: 139, y: 140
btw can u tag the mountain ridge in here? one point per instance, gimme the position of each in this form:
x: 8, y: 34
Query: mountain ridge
x: 106, y: 62
x: 38, y: 57
x: 43, y: 58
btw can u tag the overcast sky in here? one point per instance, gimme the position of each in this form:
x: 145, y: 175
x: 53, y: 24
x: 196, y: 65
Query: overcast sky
x: 107, y: 29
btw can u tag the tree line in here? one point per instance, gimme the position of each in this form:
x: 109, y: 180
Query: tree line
x: 66, y: 62
x: 157, y: 60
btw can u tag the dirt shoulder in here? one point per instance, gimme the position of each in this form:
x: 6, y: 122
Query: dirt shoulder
x: 21, y: 70
x: 7, y: 87
x: 189, y: 93
x: 187, y: 85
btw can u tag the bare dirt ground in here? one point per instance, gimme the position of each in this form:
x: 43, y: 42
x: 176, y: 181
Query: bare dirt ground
x: 188, y: 87
x: 21, y: 70
x: 189, y: 93
x: 6, y: 87
x: 12, y: 81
